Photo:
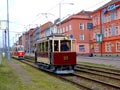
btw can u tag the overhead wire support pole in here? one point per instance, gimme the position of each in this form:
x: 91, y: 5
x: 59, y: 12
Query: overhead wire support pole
x: 59, y: 16
x: 46, y: 16
x: 60, y: 13
x: 8, y: 30
x: 5, y: 44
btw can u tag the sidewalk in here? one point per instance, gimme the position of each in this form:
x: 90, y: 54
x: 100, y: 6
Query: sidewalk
x: 100, y: 58
x: 114, y: 61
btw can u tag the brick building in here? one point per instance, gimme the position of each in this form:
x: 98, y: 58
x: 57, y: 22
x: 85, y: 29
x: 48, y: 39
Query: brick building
x: 75, y: 26
x: 106, y: 29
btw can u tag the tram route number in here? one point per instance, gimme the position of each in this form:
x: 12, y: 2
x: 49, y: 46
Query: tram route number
x: 65, y: 57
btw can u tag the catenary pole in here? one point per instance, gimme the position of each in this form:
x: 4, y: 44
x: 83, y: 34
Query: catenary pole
x: 8, y: 30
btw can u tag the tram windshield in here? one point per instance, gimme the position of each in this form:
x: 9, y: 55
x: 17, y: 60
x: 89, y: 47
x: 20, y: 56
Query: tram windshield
x: 65, y: 45
x: 20, y: 49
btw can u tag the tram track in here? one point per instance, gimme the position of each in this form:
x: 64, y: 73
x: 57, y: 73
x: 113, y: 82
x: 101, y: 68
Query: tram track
x: 89, y: 83
x: 98, y: 67
x: 98, y: 70
x: 82, y: 87
x: 95, y: 73
x: 94, y: 83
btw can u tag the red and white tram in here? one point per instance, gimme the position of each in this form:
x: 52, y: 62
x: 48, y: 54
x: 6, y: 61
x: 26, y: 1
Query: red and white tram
x: 18, y: 52
x: 56, y: 53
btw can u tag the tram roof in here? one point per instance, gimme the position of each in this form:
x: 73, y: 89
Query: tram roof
x: 54, y: 37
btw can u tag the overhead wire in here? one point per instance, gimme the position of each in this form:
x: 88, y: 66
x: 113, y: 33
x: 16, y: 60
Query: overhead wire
x: 96, y: 4
x: 49, y: 10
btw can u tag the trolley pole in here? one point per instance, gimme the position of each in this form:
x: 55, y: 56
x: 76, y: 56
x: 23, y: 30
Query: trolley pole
x: 8, y: 30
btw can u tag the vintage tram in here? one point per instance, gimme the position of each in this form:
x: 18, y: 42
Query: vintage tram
x: 56, y: 53
x: 18, y: 52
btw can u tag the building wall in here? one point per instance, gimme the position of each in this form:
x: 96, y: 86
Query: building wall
x: 107, y: 23
x: 71, y: 26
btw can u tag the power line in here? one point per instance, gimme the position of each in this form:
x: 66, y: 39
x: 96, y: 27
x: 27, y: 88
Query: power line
x: 96, y: 4
x: 49, y: 10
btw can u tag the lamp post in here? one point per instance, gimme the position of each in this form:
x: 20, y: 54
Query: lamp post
x: 8, y: 30
x: 4, y: 29
x: 60, y: 12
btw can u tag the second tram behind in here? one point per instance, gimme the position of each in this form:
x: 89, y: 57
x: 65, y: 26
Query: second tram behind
x: 56, y: 53
x: 18, y: 52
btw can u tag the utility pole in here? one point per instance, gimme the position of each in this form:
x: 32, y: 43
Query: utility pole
x: 5, y: 45
x: 8, y: 30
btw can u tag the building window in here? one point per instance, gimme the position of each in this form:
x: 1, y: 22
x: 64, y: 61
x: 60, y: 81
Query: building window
x: 81, y: 26
x: 116, y: 14
x: 63, y: 29
x: 96, y: 47
x: 81, y: 36
x: 66, y: 28
x: 108, y: 47
x: 109, y: 32
x: 116, y: 30
x: 105, y: 35
x: 81, y: 48
x: 117, y: 46
x: 70, y: 27
x: 60, y: 30
x: 113, y: 31
x: 112, y: 15
x: 94, y: 21
x: 109, y: 17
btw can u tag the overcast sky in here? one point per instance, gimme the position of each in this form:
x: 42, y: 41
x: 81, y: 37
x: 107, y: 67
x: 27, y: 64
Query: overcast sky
x: 25, y: 12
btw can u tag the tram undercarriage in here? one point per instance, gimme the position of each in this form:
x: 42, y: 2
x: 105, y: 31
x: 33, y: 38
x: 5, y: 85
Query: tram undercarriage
x: 64, y: 69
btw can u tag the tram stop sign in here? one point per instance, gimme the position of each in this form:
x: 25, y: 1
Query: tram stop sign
x: 98, y: 38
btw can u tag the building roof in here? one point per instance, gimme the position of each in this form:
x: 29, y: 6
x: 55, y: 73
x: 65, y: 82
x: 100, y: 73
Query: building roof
x: 107, y: 4
x: 84, y: 13
x: 31, y: 31
x: 46, y: 25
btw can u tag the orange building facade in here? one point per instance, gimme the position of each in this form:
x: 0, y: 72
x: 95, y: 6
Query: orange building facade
x: 75, y: 27
x: 106, y: 29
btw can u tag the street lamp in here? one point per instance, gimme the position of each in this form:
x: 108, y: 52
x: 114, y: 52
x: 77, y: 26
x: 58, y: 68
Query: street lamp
x: 60, y: 12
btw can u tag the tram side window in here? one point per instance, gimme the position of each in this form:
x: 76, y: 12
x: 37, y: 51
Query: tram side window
x: 56, y: 45
x: 45, y: 46
x: 42, y: 47
x: 38, y: 47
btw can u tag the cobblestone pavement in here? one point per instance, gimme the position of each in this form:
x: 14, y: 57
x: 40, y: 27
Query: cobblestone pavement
x: 114, y: 61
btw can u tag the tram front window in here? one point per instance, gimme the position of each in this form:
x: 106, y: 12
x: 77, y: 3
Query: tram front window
x: 65, y: 46
x: 20, y: 49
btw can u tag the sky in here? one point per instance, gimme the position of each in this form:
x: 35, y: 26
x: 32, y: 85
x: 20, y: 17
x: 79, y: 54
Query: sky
x: 25, y: 14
